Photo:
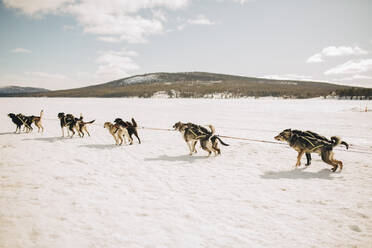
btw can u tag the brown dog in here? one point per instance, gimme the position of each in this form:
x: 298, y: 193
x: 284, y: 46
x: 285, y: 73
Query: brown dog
x: 304, y: 145
x: 118, y: 132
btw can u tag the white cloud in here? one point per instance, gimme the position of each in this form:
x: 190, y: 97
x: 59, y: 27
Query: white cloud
x: 333, y: 51
x: 120, y: 19
x: 159, y: 14
x: 316, y: 58
x: 115, y: 64
x: 200, y: 20
x: 351, y: 67
x: 21, y: 50
x: 36, y: 7
x: 109, y: 39
x: 356, y: 77
x: 342, y: 51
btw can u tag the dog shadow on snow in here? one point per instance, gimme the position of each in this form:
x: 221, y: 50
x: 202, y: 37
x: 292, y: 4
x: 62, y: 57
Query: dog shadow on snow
x: 47, y: 139
x: 100, y: 146
x: 299, y: 174
x: 186, y: 158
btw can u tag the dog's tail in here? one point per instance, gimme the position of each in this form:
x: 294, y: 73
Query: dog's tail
x: 213, y: 130
x: 345, y: 144
x: 223, y: 143
x: 90, y: 122
x: 134, y: 122
x: 335, y: 141
x: 41, y: 114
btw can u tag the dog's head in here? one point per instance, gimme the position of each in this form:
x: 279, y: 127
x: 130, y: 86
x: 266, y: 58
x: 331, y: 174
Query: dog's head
x: 179, y: 126
x: 11, y: 115
x: 284, y: 135
x: 61, y: 115
x: 118, y: 120
x: 107, y: 124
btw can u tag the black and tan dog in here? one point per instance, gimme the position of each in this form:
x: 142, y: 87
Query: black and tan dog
x: 82, y: 125
x: 316, y: 136
x: 305, y: 144
x: 193, y: 133
x: 28, y: 120
x: 73, y: 124
x: 17, y: 120
x: 68, y: 121
x: 131, y: 128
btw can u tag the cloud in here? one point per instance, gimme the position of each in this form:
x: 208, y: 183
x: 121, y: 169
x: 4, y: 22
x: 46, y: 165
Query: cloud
x: 200, y: 20
x: 351, y: 67
x: 356, y: 77
x: 21, y: 50
x: 122, y: 19
x: 36, y: 7
x: 316, y: 58
x: 109, y: 39
x: 115, y: 64
x: 343, y: 51
x: 333, y: 51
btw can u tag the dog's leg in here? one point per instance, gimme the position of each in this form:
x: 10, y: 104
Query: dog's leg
x: 113, y: 135
x: 190, y: 148
x: 63, y: 134
x: 129, y: 137
x: 136, y: 134
x: 308, y: 159
x: 327, y: 158
x: 336, y: 162
x: 121, y: 139
x: 193, y: 146
x: 86, y: 130
x: 125, y: 138
x: 299, y: 156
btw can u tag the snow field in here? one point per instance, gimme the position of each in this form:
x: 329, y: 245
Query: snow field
x: 61, y: 192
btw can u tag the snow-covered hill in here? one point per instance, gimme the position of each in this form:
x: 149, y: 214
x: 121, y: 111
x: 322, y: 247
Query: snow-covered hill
x: 61, y: 192
x: 8, y: 90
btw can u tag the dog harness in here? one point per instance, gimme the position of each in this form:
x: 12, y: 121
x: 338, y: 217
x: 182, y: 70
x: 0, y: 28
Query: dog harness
x: 24, y: 123
x: 314, y: 147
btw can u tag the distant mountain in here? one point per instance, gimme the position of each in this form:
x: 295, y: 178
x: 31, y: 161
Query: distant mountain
x: 200, y: 85
x: 10, y: 90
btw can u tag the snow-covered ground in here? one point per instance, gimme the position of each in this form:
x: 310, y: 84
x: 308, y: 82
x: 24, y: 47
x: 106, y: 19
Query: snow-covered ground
x: 61, y: 192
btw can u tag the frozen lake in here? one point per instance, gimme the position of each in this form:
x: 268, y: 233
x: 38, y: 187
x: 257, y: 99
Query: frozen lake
x: 61, y: 192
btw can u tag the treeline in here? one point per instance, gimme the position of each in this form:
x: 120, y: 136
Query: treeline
x: 354, y: 92
x: 194, y: 89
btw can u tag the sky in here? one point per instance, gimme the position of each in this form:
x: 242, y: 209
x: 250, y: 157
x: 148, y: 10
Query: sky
x: 60, y: 44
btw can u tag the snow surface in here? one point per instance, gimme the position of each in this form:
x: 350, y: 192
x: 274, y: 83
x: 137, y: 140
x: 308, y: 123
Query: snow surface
x: 61, y: 192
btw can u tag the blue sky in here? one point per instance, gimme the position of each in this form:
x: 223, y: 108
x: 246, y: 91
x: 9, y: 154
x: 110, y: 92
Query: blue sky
x: 59, y: 44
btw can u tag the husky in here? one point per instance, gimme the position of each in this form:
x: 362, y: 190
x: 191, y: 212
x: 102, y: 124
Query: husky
x: 118, y: 132
x: 305, y: 144
x: 17, y: 120
x: 193, y: 133
x: 83, y: 126
x: 131, y: 127
x: 36, y: 120
x: 317, y: 136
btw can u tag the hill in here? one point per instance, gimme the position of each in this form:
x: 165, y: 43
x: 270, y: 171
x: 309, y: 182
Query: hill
x: 9, y: 90
x: 198, y: 85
